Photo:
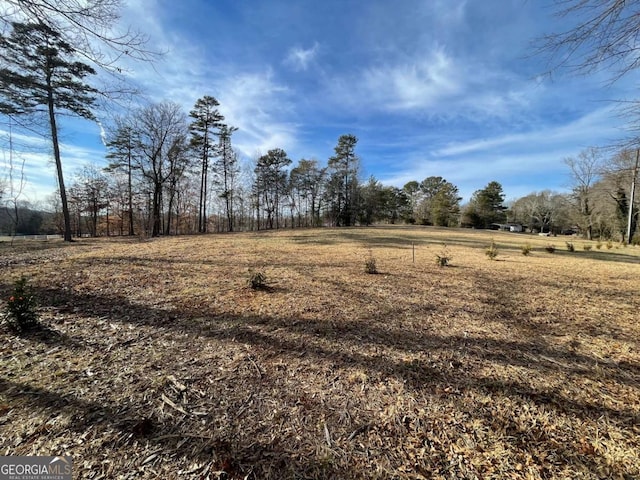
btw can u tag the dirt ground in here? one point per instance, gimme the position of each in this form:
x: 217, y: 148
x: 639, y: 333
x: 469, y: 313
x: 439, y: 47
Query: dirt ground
x: 156, y: 360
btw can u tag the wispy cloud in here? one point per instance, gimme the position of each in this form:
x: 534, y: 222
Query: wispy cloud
x: 525, y: 161
x: 418, y: 84
x: 256, y: 104
x: 300, y: 58
x: 583, y: 130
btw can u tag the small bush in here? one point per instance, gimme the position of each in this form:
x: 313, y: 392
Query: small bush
x: 21, y: 311
x: 370, y: 264
x: 492, y: 251
x: 443, y: 259
x: 550, y: 248
x: 586, y: 247
x: 635, y: 241
x: 570, y: 247
x: 526, y: 249
x: 257, y: 281
x: 599, y: 245
x: 609, y: 244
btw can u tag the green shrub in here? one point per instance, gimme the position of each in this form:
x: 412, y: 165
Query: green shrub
x: 492, y: 251
x: 609, y: 244
x: 21, y: 307
x: 257, y: 280
x: 586, y: 247
x: 599, y: 245
x: 550, y: 248
x: 526, y: 249
x: 570, y: 247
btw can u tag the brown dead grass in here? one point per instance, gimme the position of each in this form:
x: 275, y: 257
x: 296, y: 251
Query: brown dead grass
x: 159, y: 362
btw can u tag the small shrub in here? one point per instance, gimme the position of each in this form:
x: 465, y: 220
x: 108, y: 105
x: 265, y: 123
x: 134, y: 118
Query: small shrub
x: 526, y: 249
x: 492, y: 251
x: 550, y: 248
x: 635, y: 241
x: 586, y: 248
x: 21, y: 307
x: 370, y: 264
x: 599, y: 245
x: 609, y: 244
x: 257, y: 281
x: 570, y: 247
x: 443, y: 259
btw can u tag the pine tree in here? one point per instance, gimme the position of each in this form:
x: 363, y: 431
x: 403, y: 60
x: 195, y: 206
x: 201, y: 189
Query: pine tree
x: 206, y: 122
x: 344, y: 179
x: 39, y: 75
x: 122, y: 145
x: 226, y: 170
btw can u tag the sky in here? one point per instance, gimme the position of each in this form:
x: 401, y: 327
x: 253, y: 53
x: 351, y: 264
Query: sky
x: 448, y: 88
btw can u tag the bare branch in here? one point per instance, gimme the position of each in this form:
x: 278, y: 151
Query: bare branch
x: 89, y: 25
x: 605, y: 34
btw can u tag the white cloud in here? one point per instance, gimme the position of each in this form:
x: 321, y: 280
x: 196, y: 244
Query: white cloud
x: 254, y: 103
x: 299, y: 58
x: 592, y: 127
x: 419, y: 84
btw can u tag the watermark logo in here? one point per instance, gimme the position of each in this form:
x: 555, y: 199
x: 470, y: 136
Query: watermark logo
x: 35, y: 468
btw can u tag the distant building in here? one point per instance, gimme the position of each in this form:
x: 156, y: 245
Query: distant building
x: 508, y: 227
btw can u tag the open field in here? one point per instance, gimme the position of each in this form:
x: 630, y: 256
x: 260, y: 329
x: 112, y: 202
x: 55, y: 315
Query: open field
x: 159, y: 362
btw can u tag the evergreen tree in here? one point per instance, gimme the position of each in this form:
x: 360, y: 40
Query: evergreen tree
x: 271, y: 183
x: 307, y: 180
x: 486, y: 207
x: 39, y: 75
x: 440, y: 203
x: 344, y: 180
x: 207, y: 121
x: 226, y: 171
x: 122, y: 146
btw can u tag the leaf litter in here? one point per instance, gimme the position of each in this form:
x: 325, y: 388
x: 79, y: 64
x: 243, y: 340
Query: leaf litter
x: 159, y: 362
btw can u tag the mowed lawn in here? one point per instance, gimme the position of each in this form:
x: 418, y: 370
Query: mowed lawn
x: 158, y: 361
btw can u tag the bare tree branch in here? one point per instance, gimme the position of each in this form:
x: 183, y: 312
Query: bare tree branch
x: 605, y: 34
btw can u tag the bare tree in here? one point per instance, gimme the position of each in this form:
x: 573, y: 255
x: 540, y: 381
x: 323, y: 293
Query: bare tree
x: 623, y: 170
x: 162, y: 127
x: 585, y: 170
x: 602, y: 34
x: 13, y: 186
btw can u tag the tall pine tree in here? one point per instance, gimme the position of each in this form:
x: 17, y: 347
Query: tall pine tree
x: 207, y: 120
x: 40, y: 75
x: 343, y: 182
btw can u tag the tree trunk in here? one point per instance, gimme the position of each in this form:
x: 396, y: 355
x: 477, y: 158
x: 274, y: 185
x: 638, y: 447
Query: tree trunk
x: 131, y: 231
x: 157, y: 198
x: 56, y: 155
x: 630, y: 225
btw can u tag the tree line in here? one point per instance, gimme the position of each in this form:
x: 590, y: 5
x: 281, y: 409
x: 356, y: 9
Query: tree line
x: 170, y: 172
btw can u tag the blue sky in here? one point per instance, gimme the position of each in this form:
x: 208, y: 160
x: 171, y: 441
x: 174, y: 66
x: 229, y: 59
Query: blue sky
x: 430, y: 87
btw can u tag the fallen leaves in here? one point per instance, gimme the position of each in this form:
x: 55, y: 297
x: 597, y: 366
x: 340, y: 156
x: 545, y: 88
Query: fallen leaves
x: 164, y: 364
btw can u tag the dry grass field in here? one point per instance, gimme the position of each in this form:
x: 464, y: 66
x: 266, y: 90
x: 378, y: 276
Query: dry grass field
x: 157, y: 360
